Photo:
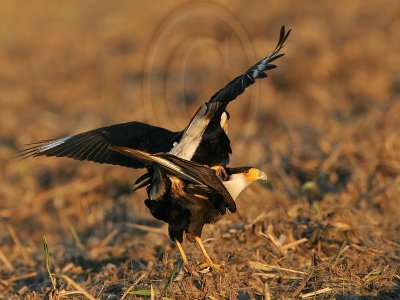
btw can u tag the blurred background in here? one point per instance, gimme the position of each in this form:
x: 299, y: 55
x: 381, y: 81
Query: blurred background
x: 324, y: 126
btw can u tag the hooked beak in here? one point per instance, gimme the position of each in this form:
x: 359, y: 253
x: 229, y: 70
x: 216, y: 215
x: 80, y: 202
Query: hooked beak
x: 255, y: 174
x: 262, y: 176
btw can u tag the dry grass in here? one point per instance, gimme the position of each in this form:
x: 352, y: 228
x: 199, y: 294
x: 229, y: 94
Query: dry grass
x: 324, y: 126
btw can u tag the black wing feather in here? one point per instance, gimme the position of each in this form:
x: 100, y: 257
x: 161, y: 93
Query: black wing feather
x: 94, y: 145
x: 237, y: 86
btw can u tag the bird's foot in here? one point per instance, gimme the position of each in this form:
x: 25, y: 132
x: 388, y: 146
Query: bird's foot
x: 221, y: 172
x: 212, y: 265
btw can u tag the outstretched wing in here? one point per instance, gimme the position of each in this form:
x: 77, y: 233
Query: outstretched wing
x: 94, y: 145
x: 237, y: 86
x: 185, y: 170
x: 205, y: 140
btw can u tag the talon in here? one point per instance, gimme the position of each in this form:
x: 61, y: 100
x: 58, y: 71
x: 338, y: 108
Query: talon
x: 210, y: 264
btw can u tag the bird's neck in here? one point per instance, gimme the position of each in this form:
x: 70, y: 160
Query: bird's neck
x: 236, y: 184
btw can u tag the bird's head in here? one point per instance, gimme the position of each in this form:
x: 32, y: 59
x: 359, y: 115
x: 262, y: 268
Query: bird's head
x: 253, y: 174
x: 240, y: 178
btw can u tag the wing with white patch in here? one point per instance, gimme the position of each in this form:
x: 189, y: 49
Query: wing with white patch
x: 94, y: 145
x: 194, y: 132
x: 205, y: 139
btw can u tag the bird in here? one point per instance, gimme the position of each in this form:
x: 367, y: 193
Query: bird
x: 187, y: 195
x: 188, y: 182
x: 204, y: 140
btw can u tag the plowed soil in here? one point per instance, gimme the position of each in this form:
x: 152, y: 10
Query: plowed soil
x: 324, y: 126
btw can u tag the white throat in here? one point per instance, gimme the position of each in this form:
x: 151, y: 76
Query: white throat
x: 236, y: 184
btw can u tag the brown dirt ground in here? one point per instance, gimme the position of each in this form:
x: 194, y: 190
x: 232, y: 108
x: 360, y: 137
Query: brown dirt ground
x: 324, y: 125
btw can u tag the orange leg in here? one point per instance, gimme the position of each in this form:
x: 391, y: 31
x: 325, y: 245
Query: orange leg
x: 208, y: 262
x: 180, y: 248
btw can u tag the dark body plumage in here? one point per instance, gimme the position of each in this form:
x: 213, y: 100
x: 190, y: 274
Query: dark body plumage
x: 184, y: 194
x: 188, y: 211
